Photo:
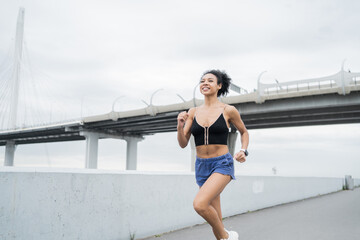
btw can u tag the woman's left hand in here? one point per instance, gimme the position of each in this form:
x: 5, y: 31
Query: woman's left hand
x: 240, y: 157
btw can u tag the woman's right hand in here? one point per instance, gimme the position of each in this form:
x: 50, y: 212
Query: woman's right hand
x: 181, y: 119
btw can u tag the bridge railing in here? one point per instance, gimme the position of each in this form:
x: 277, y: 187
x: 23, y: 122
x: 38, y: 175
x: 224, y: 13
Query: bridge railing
x: 341, y: 82
x: 355, y: 80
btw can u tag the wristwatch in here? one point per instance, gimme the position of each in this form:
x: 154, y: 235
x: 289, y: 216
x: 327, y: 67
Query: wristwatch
x: 245, y: 151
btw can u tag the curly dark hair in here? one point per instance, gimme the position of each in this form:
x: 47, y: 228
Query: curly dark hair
x: 222, y: 78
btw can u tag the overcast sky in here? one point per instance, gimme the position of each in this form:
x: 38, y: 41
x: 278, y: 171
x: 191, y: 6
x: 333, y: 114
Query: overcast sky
x: 82, y: 55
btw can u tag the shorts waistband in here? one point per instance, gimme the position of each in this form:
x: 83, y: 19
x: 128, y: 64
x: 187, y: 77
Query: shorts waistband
x: 214, y: 158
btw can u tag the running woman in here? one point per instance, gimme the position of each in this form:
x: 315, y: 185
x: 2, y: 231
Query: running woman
x: 214, y: 168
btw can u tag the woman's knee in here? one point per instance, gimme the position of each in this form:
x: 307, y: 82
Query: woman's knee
x: 200, y: 205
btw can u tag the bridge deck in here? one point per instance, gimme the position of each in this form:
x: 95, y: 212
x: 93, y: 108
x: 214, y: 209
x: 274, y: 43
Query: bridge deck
x: 332, y: 217
x: 305, y: 110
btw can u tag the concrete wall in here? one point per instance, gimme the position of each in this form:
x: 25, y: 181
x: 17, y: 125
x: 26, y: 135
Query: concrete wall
x: 43, y: 203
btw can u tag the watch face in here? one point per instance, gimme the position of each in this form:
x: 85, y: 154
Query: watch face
x: 245, y: 151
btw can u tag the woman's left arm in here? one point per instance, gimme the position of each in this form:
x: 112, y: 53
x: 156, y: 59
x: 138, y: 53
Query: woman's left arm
x: 235, y: 119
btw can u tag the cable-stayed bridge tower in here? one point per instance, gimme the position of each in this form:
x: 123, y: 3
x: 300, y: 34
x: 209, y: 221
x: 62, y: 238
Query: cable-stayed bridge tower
x: 10, y: 145
x: 17, y: 67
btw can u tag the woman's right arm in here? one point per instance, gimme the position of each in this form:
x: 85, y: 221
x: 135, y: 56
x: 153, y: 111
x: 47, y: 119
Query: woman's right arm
x: 184, y: 122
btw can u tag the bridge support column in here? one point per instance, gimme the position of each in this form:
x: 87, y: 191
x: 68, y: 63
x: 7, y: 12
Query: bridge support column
x: 91, y: 157
x: 232, y: 142
x: 131, y: 152
x: 193, y: 153
x: 9, y: 153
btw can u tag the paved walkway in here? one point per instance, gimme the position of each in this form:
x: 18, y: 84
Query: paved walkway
x: 334, y: 216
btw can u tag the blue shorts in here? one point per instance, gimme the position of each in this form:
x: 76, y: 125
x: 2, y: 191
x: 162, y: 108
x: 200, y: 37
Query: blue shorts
x: 204, y: 167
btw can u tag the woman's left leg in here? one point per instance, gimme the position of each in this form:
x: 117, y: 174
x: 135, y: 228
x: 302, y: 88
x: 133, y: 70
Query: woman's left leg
x: 217, y: 206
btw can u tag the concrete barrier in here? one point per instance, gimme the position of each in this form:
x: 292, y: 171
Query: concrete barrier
x: 43, y: 203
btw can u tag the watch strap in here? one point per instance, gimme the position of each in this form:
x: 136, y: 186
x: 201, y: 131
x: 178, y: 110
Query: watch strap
x: 245, y: 151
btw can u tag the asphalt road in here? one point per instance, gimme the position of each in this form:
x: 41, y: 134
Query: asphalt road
x: 334, y: 216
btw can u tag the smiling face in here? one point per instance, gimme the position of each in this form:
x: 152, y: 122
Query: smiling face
x: 209, y: 84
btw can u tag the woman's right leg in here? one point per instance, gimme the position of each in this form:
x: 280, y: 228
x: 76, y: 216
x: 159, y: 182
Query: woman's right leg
x: 202, y: 202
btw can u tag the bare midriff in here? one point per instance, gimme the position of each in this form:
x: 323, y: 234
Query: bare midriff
x: 210, y: 151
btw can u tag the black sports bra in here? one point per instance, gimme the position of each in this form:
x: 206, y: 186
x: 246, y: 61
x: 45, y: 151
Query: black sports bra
x: 216, y: 133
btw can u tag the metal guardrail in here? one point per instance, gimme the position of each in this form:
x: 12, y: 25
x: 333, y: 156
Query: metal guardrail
x: 341, y: 82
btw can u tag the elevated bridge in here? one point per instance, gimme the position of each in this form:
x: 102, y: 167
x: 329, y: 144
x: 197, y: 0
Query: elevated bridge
x: 328, y: 100
x: 333, y: 99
